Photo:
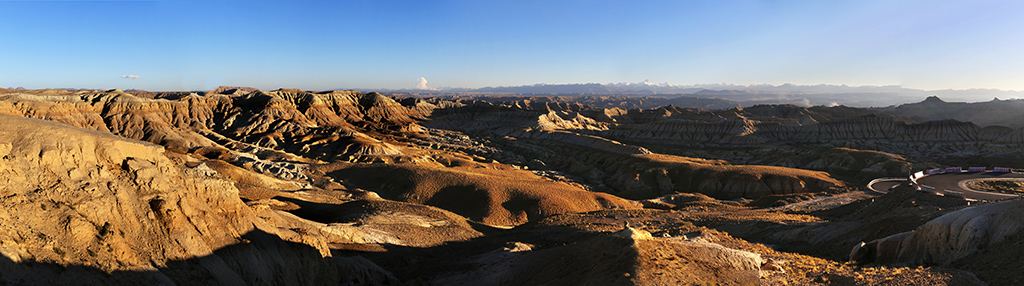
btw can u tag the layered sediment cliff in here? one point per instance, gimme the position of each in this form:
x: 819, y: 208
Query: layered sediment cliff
x: 73, y: 197
x: 320, y: 125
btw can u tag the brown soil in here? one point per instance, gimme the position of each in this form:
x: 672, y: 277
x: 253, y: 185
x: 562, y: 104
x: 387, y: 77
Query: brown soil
x: 799, y: 269
x: 251, y: 185
x: 1006, y: 187
x: 995, y: 264
x: 220, y: 196
x: 413, y: 224
x: 488, y: 193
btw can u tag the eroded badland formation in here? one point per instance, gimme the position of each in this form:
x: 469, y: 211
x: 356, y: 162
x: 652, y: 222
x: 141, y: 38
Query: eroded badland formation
x: 242, y: 186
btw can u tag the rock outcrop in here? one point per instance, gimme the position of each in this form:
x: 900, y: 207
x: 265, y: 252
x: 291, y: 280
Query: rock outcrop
x: 630, y: 257
x: 991, y: 113
x: 634, y: 172
x: 242, y: 186
x: 948, y: 238
x: 492, y: 196
x: 89, y: 207
x: 645, y: 175
x: 319, y: 125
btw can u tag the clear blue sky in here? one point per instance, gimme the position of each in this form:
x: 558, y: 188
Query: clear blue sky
x: 176, y: 45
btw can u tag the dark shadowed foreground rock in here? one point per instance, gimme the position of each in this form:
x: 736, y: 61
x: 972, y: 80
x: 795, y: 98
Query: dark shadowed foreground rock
x: 948, y: 238
x: 627, y: 257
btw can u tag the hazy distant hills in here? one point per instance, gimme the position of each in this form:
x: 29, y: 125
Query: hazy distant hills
x: 621, y: 101
x: 557, y: 88
x: 244, y: 186
x: 1009, y: 113
x: 746, y: 95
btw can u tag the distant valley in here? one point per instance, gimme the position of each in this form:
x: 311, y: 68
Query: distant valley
x: 743, y: 95
x: 243, y: 186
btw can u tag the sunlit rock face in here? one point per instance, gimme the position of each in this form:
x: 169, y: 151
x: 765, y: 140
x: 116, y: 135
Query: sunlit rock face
x: 318, y: 124
x: 74, y: 197
x: 243, y: 186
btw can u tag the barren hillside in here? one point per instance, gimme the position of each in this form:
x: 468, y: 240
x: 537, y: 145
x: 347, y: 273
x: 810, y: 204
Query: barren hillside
x: 244, y: 186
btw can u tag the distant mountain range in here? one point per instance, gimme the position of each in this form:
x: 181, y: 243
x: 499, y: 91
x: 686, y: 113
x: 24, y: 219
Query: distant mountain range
x: 1009, y: 113
x: 804, y: 95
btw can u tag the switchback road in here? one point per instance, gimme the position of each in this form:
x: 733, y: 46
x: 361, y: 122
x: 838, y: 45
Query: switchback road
x: 951, y: 181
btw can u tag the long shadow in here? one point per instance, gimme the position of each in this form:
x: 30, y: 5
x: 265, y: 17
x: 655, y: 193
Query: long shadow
x: 409, y: 263
x: 261, y: 259
x: 557, y: 255
x: 555, y: 252
x: 319, y: 212
x: 898, y: 211
x: 333, y: 213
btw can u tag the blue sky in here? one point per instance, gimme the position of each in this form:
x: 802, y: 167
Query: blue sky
x: 193, y: 45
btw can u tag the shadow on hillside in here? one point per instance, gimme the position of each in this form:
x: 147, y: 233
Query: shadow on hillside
x: 555, y: 251
x: 259, y: 259
x: 531, y: 254
x: 898, y: 211
x: 333, y: 213
x: 553, y: 256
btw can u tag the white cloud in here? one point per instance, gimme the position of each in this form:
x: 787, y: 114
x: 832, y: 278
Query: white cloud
x: 422, y: 84
x: 131, y: 76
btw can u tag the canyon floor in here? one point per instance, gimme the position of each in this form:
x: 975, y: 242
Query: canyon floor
x: 239, y: 186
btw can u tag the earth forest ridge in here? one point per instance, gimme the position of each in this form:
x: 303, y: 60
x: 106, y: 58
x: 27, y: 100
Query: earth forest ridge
x: 246, y: 186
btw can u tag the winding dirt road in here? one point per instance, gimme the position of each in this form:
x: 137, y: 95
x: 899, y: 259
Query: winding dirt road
x: 952, y: 182
x: 885, y: 185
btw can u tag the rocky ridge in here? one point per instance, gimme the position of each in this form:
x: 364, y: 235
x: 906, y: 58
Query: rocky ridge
x: 996, y: 112
x: 330, y: 126
x: 241, y: 186
x: 82, y: 198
